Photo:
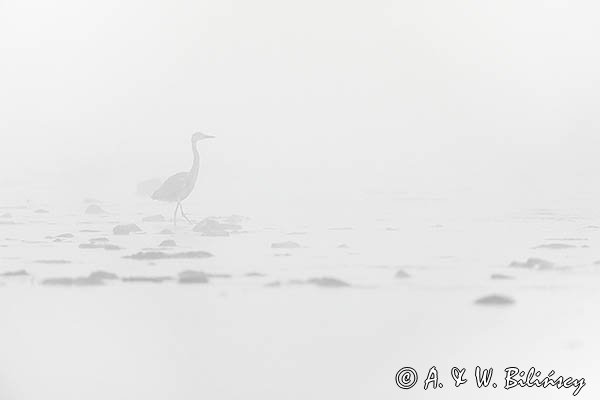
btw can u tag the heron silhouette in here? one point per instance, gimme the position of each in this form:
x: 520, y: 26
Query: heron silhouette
x: 179, y: 186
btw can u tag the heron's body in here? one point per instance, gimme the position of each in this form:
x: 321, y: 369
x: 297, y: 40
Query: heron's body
x: 179, y: 186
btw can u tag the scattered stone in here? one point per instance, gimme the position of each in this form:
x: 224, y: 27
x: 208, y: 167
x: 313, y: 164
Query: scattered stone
x: 285, y: 245
x: 84, y: 281
x: 328, y: 282
x: 212, y: 227
x: 555, y: 246
x: 190, y: 276
x: 94, y: 209
x: 159, y: 255
x: 501, y: 277
x: 533, y: 263
x: 56, y: 262
x: 126, y: 229
x: 95, y: 245
x: 103, y: 275
x: 495, y: 300
x: 147, y: 187
x: 150, y: 279
x: 154, y: 218
x: 168, y: 243
x: 10, y: 274
x: 401, y: 274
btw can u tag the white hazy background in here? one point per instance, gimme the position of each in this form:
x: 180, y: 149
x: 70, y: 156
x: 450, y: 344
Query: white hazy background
x: 313, y: 102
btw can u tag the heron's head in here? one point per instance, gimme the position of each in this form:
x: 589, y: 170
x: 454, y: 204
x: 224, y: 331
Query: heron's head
x: 200, y: 136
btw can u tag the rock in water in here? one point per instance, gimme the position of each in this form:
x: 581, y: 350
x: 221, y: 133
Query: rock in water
x: 328, y: 282
x: 533, y: 263
x: 159, y: 255
x: 9, y: 274
x: 94, y: 209
x: 126, y: 229
x: 401, y: 274
x: 212, y: 227
x: 190, y: 276
x: 147, y: 187
x: 495, y: 300
x: 103, y: 275
x: 501, y: 277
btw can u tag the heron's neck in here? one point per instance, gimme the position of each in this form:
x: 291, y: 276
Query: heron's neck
x: 196, y: 163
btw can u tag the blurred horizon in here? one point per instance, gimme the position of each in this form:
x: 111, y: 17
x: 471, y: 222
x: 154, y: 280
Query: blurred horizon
x: 314, y: 102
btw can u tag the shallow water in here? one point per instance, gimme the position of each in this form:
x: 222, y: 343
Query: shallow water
x: 329, y: 318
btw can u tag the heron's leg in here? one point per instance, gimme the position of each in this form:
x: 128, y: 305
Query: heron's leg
x: 175, y: 214
x: 185, y: 216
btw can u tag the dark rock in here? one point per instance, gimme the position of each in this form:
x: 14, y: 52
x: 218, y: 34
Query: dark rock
x: 495, y: 300
x: 190, y: 276
x: 20, y: 272
x: 533, y: 263
x: 84, y: 281
x: 149, y: 279
x: 501, y: 277
x: 103, y: 275
x: 159, y: 255
x: 401, y: 274
x: 126, y: 229
x: 212, y: 227
x: 328, y: 282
